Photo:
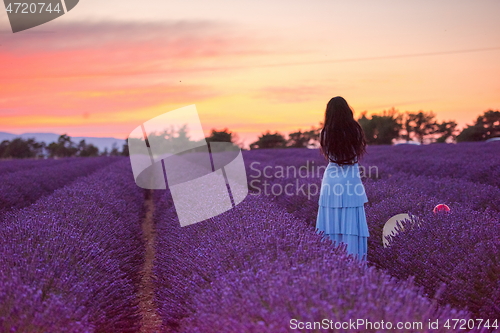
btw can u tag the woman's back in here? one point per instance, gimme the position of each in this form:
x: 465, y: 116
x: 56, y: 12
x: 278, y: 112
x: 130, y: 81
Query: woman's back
x: 341, y: 214
x: 342, y: 186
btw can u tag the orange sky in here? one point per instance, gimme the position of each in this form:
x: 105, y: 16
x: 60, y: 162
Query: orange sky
x: 103, y: 69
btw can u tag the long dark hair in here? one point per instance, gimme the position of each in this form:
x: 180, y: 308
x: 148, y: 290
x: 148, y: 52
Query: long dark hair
x: 342, y: 139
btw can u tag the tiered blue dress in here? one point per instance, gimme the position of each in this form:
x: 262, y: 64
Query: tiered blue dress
x: 341, y: 212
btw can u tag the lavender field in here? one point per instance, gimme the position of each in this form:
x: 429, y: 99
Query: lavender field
x: 83, y: 249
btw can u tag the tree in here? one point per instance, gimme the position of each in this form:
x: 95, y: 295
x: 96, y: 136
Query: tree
x: 490, y: 120
x: 221, y: 136
x: 21, y: 148
x: 301, y: 139
x: 114, y: 150
x: 167, y: 141
x: 170, y: 140
x: 87, y: 150
x: 298, y: 139
x: 125, y: 151
x: 64, y: 147
x: 268, y: 140
x: 381, y: 129
x: 368, y: 127
x: 224, y: 135
x: 3, y: 148
x: 447, y: 129
x: 419, y: 125
x: 486, y: 126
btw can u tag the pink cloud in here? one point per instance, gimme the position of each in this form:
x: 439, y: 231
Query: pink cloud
x: 106, y: 67
x: 293, y: 94
x: 118, y: 49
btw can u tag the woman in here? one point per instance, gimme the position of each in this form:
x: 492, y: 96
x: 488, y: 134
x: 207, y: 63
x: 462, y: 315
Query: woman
x: 341, y: 213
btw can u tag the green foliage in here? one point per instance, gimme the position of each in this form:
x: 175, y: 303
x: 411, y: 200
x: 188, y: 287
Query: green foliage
x: 471, y: 133
x: 86, y: 150
x: 301, y: 139
x: 268, y: 140
x: 381, y: 129
x: 486, y: 126
x: 419, y: 125
x: 168, y: 141
x: 221, y: 136
x: 64, y: 147
x: 21, y: 148
x: 297, y: 139
x: 29, y: 148
x: 423, y: 126
x: 171, y: 140
x: 446, y: 129
x: 125, y: 151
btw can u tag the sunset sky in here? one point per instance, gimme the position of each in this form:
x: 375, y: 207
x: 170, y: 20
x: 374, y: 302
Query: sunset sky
x: 105, y: 67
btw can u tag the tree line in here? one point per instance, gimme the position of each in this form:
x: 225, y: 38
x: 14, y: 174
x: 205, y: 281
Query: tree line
x: 393, y: 125
x: 63, y: 147
x: 384, y: 128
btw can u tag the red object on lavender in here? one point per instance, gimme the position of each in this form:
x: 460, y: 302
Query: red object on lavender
x: 441, y: 208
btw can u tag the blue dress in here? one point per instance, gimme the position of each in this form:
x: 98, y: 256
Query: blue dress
x: 341, y: 211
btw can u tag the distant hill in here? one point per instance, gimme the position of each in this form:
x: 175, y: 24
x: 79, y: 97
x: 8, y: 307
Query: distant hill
x: 100, y: 143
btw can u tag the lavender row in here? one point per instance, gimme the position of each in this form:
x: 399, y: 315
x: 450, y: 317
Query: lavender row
x: 475, y: 162
x: 476, y: 196
x: 475, y: 216
x: 287, y: 297
x: 71, y: 261
x: 300, y: 195
x: 22, y: 188
x: 459, y: 249
x: 455, y: 249
x: 256, y: 267
x: 15, y: 165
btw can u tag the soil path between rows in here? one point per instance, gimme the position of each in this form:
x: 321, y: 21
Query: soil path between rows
x: 151, y: 320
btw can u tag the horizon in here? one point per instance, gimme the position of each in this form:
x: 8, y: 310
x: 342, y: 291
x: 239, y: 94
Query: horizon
x: 250, y: 67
